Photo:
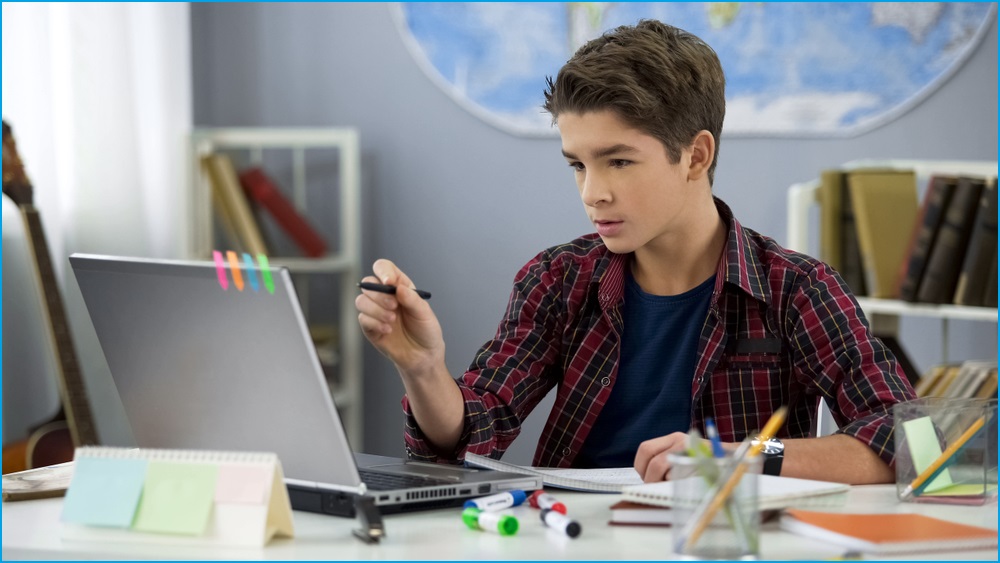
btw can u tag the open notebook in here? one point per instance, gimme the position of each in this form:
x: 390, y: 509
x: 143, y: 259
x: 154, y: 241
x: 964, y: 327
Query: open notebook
x: 773, y: 492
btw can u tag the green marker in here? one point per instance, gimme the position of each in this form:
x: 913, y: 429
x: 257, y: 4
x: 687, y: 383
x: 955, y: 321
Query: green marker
x: 265, y: 272
x: 503, y: 524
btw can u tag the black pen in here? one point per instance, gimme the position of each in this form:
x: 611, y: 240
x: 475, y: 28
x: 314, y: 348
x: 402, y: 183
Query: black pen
x: 390, y: 289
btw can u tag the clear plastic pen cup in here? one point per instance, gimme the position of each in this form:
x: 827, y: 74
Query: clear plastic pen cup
x: 733, y: 532
x: 946, y: 450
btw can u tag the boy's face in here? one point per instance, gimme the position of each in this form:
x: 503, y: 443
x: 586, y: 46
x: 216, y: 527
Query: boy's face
x: 633, y: 194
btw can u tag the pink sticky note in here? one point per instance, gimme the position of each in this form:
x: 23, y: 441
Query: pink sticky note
x: 243, y: 484
x: 220, y: 269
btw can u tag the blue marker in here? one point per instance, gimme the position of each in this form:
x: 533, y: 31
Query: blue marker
x: 713, y: 437
x: 498, y: 501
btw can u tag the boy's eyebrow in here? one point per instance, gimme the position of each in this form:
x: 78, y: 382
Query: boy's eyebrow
x: 604, y: 152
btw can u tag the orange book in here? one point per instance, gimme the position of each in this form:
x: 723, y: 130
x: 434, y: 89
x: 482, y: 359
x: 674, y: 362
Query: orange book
x: 887, y: 533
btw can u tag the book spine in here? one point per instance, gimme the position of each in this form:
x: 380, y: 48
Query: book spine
x: 941, y: 276
x: 854, y: 269
x: 261, y: 189
x: 982, y: 248
x: 939, y: 191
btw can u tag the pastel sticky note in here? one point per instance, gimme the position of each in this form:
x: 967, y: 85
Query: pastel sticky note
x: 220, y: 269
x: 265, y: 272
x: 250, y: 272
x: 177, y: 498
x: 924, y: 448
x: 104, y: 491
x: 234, y: 268
x: 243, y: 484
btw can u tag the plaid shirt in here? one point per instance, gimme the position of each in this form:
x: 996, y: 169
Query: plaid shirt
x: 782, y: 329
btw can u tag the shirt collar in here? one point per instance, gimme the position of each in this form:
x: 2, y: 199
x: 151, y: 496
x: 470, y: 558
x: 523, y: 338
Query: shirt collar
x: 739, y: 265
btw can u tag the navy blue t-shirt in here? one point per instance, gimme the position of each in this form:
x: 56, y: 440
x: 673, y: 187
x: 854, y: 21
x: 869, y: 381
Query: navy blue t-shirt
x: 652, y: 393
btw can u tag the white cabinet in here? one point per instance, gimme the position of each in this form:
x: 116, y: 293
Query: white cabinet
x: 307, y: 154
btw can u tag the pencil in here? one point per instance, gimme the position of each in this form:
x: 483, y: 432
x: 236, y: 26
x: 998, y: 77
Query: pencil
x: 390, y: 289
x: 946, y: 457
x: 702, y: 520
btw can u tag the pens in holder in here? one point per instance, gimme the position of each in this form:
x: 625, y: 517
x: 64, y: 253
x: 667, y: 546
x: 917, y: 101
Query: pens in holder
x: 718, y: 495
x: 927, y: 476
x: 389, y: 289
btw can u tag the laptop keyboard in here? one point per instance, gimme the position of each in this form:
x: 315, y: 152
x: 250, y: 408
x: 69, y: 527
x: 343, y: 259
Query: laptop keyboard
x: 379, y: 481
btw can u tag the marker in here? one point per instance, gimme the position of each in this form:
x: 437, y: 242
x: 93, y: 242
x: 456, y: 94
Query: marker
x: 390, y: 289
x: 713, y: 437
x: 503, y: 524
x: 561, y: 522
x: 498, y: 501
x: 545, y: 501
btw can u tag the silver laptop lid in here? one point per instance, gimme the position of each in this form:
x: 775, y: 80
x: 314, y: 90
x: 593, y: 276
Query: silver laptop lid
x: 200, y: 366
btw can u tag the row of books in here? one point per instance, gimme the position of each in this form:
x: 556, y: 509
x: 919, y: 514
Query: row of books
x: 971, y: 379
x: 239, y: 200
x: 889, y: 244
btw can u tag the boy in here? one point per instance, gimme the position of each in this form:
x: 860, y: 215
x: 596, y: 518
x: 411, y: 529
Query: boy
x: 670, y: 314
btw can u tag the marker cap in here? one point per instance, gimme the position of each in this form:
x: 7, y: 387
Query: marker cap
x: 503, y: 524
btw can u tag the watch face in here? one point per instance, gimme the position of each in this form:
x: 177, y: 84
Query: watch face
x: 773, y: 447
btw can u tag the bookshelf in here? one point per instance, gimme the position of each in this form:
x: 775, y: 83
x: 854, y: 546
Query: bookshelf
x: 331, y: 155
x: 802, y: 199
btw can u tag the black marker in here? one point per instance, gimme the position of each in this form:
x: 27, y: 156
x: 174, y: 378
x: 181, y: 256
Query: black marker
x: 390, y: 289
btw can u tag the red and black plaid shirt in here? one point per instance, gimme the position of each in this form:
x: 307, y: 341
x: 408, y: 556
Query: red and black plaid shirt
x: 782, y: 329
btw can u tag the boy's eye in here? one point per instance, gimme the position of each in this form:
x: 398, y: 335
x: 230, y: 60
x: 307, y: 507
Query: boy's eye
x: 619, y: 163
x: 578, y: 166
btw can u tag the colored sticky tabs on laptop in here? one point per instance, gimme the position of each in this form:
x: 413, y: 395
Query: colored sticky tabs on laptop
x: 104, y: 492
x: 176, y: 498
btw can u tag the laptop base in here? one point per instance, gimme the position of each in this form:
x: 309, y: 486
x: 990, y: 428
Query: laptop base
x: 335, y: 503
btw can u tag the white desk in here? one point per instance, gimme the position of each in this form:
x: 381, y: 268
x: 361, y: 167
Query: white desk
x: 31, y: 530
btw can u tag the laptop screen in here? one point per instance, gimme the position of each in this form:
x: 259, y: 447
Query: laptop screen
x: 201, y: 366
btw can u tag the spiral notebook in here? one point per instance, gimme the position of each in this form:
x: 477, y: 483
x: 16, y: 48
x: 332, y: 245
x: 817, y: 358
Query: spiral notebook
x: 188, y: 497
x: 773, y: 492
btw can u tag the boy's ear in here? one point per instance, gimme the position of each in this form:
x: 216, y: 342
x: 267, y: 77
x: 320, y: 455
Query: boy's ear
x: 702, y: 154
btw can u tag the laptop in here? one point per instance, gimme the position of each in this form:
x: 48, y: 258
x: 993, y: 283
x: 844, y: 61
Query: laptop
x: 199, y: 366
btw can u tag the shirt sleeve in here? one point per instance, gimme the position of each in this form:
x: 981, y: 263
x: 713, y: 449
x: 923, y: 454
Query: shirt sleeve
x: 510, y: 374
x: 838, y: 354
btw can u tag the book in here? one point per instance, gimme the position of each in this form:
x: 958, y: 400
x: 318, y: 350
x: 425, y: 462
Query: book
x: 637, y: 513
x: 604, y: 480
x: 260, y: 188
x: 988, y: 390
x: 40, y: 482
x: 975, y: 272
x: 936, y: 198
x: 773, y: 492
x: 183, y: 497
x: 227, y: 191
x: 838, y: 233
x: 944, y: 263
x: 885, y: 210
x: 929, y: 380
x: 887, y: 533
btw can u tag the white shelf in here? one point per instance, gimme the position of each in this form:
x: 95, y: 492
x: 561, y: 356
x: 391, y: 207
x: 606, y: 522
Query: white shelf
x: 344, y: 261
x: 903, y: 308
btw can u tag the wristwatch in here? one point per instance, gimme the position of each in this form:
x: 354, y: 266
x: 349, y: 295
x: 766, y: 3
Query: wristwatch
x: 774, y: 454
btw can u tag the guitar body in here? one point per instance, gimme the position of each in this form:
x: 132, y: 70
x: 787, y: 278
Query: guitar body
x: 54, y: 441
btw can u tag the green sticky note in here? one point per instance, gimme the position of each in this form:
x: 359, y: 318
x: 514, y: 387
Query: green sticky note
x: 924, y: 448
x: 104, y: 491
x: 177, y: 498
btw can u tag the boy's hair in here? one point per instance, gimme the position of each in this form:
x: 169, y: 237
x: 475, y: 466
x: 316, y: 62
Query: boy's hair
x: 659, y: 79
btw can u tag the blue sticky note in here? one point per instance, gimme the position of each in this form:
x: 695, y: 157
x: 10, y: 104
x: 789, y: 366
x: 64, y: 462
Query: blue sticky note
x: 104, y: 491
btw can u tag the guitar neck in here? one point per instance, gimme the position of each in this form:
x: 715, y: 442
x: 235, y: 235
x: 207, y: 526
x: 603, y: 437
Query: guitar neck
x: 71, y: 386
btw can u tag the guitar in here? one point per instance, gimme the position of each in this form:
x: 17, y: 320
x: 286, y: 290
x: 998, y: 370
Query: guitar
x: 53, y: 441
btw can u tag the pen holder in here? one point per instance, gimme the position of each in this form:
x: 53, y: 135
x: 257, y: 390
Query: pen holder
x: 733, y: 532
x: 946, y: 450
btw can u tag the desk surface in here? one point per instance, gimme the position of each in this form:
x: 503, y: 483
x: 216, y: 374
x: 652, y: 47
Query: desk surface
x: 31, y: 530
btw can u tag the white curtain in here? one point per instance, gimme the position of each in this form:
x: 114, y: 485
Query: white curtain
x: 99, y: 99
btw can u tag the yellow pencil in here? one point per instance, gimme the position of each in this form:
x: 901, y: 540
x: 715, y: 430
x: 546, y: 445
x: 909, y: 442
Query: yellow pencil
x: 945, y: 457
x: 772, y: 426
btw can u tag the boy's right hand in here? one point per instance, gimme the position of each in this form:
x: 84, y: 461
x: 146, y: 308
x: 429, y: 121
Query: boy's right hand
x: 403, y: 327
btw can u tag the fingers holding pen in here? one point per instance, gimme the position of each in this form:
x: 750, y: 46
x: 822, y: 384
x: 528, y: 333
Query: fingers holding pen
x: 651, y: 460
